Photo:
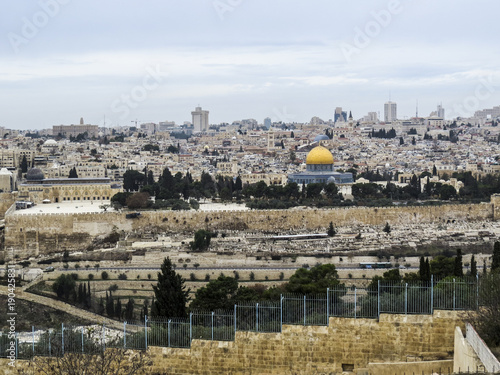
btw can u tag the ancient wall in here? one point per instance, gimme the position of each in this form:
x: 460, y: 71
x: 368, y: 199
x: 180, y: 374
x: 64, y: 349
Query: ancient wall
x: 346, y: 343
x: 6, y: 201
x: 45, y: 233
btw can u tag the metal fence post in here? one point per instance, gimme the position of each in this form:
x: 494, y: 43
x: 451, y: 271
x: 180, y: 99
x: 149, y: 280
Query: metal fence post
x: 477, y: 291
x: 190, y: 328
x: 304, y: 309
x: 378, y: 299
x: 281, y: 312
x: 62, y: 338
x: 212, y: 326
x: 33, y: 339
x: 50, y: 349
x: 406, y: 298
x: 168, y: 332
x: 146, y: 331
x: 327, y: 307
x: 82, y: 342
x: 17, y: 342
x: 235, y: 321
x: 454, y: 291
x: 103, y: 338
x: 432, y: 294
x: 257, y: 317
x: 125, y: 335
x: 355, y: 302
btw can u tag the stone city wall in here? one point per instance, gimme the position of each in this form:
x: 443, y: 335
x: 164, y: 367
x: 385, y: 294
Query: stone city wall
x: 46, y: 233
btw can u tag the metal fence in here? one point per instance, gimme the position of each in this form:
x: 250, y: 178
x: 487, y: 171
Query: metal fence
x: 265, y: 316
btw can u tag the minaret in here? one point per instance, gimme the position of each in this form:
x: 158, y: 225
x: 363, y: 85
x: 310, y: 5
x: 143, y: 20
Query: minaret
x: 351, y: 120
x: 270, y: 140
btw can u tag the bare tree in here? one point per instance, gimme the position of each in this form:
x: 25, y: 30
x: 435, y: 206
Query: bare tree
x: 109, y: 362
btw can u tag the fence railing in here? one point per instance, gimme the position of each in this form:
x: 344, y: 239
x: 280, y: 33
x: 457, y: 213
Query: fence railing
x: 265, y: 316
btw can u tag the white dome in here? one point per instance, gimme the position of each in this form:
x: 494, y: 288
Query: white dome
x: 50, y: 142
x: 5, y: 171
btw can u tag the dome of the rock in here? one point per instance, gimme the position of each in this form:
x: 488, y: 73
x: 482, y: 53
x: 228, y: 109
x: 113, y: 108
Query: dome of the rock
x: 319, y: 155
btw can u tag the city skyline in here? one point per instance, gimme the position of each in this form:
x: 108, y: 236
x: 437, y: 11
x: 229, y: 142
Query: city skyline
x: 238, y: 59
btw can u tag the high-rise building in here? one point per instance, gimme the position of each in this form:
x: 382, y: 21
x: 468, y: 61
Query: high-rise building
x: 200, y: 120
x: 372, y: 116
x: 267, y: 123
x: 390, y: 112
x: 440, y: 111
x: 339, y: 115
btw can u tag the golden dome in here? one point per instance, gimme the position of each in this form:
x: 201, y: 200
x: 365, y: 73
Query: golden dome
x: 319, y: 155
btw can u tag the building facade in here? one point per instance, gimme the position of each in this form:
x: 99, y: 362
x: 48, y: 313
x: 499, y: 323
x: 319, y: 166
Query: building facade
x: 39, y: 189
x: 73, y: 130
x: 200, y: 120
x: 390, y: 112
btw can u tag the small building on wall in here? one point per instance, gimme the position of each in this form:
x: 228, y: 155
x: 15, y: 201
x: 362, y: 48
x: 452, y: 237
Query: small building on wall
x: 39, y: 189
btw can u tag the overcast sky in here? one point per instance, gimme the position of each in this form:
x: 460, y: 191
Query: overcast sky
x: 286, y: 59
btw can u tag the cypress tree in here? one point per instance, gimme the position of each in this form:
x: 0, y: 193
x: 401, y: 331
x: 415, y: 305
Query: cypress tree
x: 89, y: 294
x: 331, y: 230
x: 110, y: 307
x: 145, y: 309
x: 495, y: 262
x: 424, y: 270
x: 170, y: 292
x: 129, y: 310
x: 80, y: 293
x: 458, y: 270
x: 24, y: 165
x: 154, y: 311
x: 421, y: 269
x: 100, y: 307
x: 118, y: 309
x: 428, y: 269
x: 473, y: 267
x: 84, y: 295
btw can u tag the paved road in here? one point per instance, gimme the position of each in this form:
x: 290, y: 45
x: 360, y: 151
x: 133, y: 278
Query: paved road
x: 215, y: 268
